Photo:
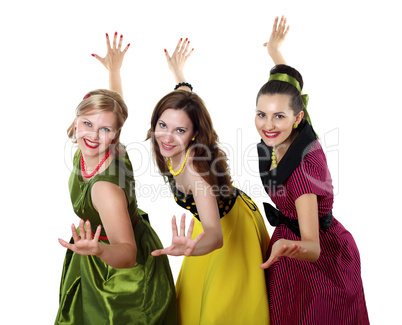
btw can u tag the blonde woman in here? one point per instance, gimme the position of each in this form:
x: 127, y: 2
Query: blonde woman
x: 109, y: 275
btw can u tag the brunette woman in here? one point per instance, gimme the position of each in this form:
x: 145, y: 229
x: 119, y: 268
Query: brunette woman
x: 313, y: 266
x: 220, y: 281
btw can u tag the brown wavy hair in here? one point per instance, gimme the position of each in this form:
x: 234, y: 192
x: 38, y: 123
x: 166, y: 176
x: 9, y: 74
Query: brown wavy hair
x: 102, y: 100
x: 213, y: 168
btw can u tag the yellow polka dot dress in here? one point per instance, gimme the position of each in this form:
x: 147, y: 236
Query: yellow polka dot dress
x: 226, y: 286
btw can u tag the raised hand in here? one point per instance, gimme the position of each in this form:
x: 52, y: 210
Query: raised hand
x: 278, y: 35
x: 181, y: 244
x: 281, y: 249
x: 178, y: 59
x: 114, y: 56
x: 84, y: 244
x: 113, y: 62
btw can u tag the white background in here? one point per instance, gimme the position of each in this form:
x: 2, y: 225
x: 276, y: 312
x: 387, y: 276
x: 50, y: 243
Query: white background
x: 347, y: 51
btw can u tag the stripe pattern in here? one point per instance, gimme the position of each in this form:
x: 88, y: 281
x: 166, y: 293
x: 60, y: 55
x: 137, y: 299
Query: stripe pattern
x: 329, y: 291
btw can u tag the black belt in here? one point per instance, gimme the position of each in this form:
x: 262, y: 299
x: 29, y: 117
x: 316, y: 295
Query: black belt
x: 276, y: 218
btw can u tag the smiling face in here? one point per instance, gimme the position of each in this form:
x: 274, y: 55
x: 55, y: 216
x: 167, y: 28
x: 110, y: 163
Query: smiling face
x: 173, y: 133
x: 275, y: 118
x: 95, y: 132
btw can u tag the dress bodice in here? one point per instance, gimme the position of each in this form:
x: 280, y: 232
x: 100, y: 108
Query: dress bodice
x: 303, y: 169
x: 119, y: 172
x: 186, y: 201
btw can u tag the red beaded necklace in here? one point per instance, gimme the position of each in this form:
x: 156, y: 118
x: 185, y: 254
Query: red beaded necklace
x: 97, y: 168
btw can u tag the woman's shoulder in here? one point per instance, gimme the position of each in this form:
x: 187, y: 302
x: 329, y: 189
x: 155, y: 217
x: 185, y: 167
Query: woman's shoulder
x: 315, y: 156
x: 312, y: 174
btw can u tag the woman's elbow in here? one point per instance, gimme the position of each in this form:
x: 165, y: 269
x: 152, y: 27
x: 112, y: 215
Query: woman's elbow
x: 315, y: 255
x: 219, y: 242
x: 131, y: 260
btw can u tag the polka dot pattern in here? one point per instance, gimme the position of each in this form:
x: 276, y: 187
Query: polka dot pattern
x: 186, y: 201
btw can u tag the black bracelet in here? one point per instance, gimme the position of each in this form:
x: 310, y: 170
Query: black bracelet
x: 184, y: 84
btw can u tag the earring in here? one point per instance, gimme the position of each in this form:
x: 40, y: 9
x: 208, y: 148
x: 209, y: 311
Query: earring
x: 295, y: 126
x: 193, y: 139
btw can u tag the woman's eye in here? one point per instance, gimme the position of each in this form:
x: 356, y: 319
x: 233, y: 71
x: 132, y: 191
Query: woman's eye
x: 261, y: 115
x: 87, y: 123
x: 181, y: 131
x: 162, y: 125
x: 279, y: 116
x: 105, y: 129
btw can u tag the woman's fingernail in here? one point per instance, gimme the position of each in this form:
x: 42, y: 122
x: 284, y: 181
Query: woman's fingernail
x: 93, y: 54
x: 128, y: 44
x: 165, y: 50
x: 107, y: 35
x: 121, y: 36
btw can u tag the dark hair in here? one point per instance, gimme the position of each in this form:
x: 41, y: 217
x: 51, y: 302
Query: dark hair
x: 212, y: 166
x: 273, y: 87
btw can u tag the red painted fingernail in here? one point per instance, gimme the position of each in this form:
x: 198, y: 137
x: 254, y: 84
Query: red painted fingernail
x: 181, y: 39
x: 188, y: 42
x: 115, y: 34
x: 128, y: 44
x: 121, y: 36
x: 165, y: 50
x: 186, y: 39
x: 107, y: 35
x: 93, y: 54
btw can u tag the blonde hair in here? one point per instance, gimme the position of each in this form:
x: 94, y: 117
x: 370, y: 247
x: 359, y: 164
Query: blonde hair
x: 102, y: 100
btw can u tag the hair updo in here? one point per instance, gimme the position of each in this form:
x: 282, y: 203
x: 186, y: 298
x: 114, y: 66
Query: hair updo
x: 273, y: 87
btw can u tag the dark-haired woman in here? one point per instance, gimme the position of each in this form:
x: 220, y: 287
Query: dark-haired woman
x: 313, y: 266
x: 220, y: 281
x: 109, y: 275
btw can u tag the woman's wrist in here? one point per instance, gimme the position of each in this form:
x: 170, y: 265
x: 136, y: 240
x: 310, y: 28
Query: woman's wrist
x: 179, y: 77
x: 276, y: 56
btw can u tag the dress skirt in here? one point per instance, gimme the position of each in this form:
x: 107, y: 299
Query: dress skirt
x: 326, y: 292
x: 227, y: 286
x: 92, y: 292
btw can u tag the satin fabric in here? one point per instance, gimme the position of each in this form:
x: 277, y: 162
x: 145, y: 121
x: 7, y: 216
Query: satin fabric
x: 92, y: 292
x: 227, y: 286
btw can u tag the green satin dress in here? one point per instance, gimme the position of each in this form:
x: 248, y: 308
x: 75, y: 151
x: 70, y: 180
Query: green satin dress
x: 91, y: 291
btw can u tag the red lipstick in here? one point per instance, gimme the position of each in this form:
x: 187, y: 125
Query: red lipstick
x: 88, y: 144
x: 271, y: 135
x: 166, y: 146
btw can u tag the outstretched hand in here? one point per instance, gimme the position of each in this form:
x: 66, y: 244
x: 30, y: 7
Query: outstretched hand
x: 279, y: 249
x: 178, y: 59
x: 278, y: 35
x: 84, y: 244
x: 181, y: 244
x: 114, y: 56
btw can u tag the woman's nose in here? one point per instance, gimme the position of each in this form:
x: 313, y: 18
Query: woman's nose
x: 168, y: 137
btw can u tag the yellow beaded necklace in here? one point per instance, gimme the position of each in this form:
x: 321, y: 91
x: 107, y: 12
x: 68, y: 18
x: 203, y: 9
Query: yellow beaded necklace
x: 273, y: 158
x: 182, y: 165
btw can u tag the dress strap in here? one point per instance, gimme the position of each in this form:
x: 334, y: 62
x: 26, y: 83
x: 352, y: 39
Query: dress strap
x: 277, y: 218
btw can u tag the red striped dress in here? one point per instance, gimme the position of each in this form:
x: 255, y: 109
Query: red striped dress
x: 330, y: 290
